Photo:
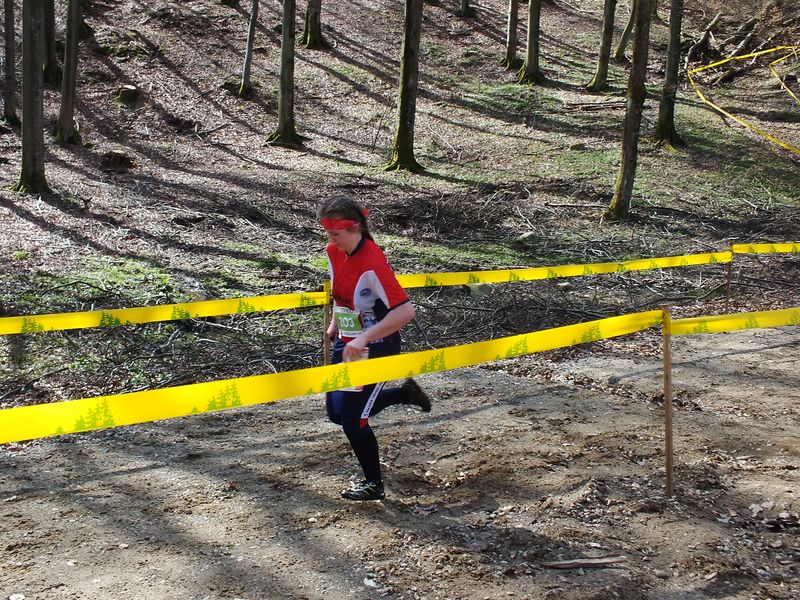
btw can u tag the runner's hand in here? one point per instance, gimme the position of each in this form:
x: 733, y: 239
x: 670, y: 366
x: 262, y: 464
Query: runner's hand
x: 354, y: 349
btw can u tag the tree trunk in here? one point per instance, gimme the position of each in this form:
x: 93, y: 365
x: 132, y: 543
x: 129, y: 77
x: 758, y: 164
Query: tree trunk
x: 465, y: 10
x: 65, y: 128
x: 10, y: 90
x: 599, y: 81
x: 312, y: 33
x: 403, y: 153
x: 32, y: 174
x: 529, y: 72
x: 244, y: 88
x: 654, y: 11
x: 621, y: 202
x: 286, y: 133
x: 511, y: 62
x: 619, y: 55
x: 52, y: 72
x: 665, y: 132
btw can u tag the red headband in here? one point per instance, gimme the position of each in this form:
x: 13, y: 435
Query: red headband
x: 328, y: 223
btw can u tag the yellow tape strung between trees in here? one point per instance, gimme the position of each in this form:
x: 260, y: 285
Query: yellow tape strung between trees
x: 765, y: 248
x: 152, y: 314
x: 509, y: 275
x: 779, y: 78
x: 87, y: 414
x: 751, y: 320
x: 212, y: 308
x: 782, y: 144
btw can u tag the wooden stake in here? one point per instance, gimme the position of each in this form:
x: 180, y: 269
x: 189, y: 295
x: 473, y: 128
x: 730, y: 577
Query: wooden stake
x: 666, y: 329
x: 728, y: 282
x: 326, y: 320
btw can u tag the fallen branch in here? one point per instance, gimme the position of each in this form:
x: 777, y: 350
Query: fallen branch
x: 586, y: 563
x: 703, y: 42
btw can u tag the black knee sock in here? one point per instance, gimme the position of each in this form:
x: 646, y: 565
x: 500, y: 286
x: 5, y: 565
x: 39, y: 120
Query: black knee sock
x: 365, y: 446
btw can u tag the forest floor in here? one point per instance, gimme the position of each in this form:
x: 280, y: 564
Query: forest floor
x: 523, y: 462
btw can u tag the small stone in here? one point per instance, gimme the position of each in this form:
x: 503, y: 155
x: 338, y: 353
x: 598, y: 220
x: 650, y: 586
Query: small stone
x: 127, y: 94
x: 661, y: 574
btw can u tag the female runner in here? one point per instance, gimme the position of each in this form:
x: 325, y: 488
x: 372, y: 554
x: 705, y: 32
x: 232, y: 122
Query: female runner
x: 369, y: 308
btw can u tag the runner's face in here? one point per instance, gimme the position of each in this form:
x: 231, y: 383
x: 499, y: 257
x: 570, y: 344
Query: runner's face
x: 345, y: 240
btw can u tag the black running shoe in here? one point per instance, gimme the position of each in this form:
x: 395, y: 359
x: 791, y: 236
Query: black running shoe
x: 416, y: 395
x: 366, y: 490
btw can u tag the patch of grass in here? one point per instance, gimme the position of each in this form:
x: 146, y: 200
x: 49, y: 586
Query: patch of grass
x: 600, y: 163
x: 21, y: 255
x: 508, y: 98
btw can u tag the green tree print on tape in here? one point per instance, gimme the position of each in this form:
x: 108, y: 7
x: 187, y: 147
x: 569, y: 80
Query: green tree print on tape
x: 434, y: 364
x: 108, y: 320
x: 519, y: 348
x: 713, y: 259
x: 587, y: 271
x: 702, y: 327
x: 795, y: 248
x: 654, y: 265
x: 551, y: 274
x: 245, y: 307
x: 306, y: 300
x: 340, y: 379
x: 684, y: 262
x: 96, y: 417
x: 512, y: 276
x: 180, y: 313
x: 31, y: 326
x: 431, y: 282
x: 473, y: 278
x: 227, y: 398
x: 592, y: 333
x: 751, y: 323
x: 795, y: 320
x: 773, y: 249
x: 621, y: 268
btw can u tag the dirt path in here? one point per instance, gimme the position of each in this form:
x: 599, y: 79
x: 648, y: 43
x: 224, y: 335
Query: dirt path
x: 540, y: 459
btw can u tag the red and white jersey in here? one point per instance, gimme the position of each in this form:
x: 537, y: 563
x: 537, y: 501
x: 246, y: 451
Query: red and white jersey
x: 364, y: 289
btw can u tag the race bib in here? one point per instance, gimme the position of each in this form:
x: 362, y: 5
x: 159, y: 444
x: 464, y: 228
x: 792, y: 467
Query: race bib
x: 347, y: 321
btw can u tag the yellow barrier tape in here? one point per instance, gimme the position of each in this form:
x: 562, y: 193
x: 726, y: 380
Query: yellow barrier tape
x: 152, y: 314
x: 779, y: 78
x: 212, y: 308
x: 719, y: 109
x: 87, y: 414
x: 751, y: 320
x: 765, y: 248
x: 509, y: 275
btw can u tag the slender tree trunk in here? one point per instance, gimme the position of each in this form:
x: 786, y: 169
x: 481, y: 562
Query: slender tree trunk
x: 530, y: 72
x: 654, y: 11
x: 32, y: 177
x: 10, y: 90
x: 465, y: 10
x: 665, y: 132
x: 65, y: 128
x: 312, y: 32
x: 511, y: 62
x: 286, y: 133
x: 621, y: 201
x: 52, y: 72
x: 244, y: 88
x: 619, y: 55
x: 599, y: 82
x: 403, y: 153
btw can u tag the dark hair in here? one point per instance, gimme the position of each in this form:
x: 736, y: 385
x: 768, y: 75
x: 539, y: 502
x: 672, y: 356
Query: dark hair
x: 344, y: 207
